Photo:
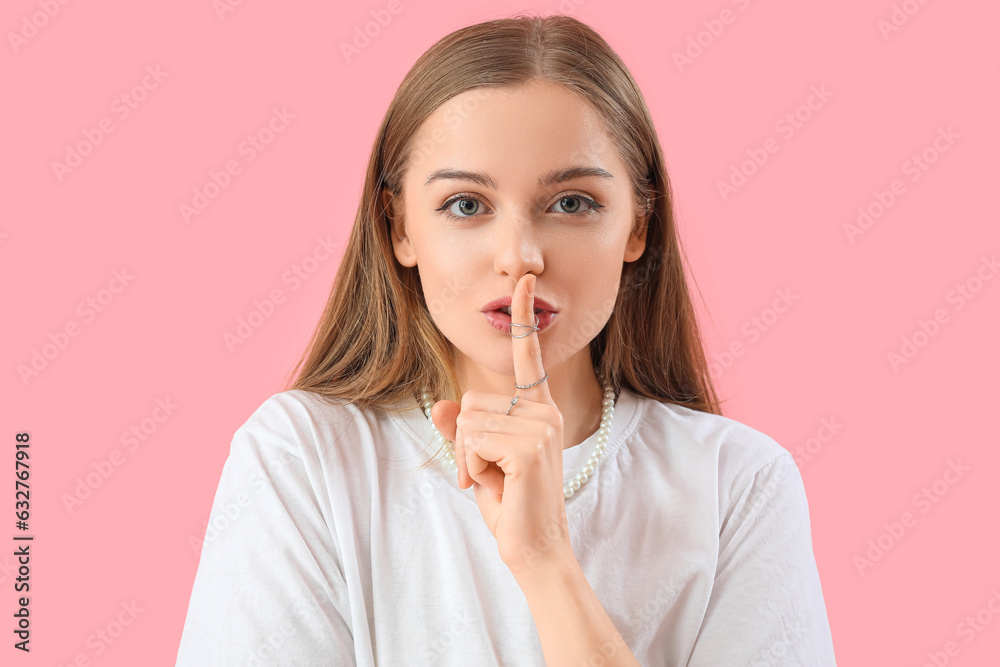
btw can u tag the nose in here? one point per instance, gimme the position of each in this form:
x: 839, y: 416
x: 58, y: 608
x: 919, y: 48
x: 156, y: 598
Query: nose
x: 517, y: 248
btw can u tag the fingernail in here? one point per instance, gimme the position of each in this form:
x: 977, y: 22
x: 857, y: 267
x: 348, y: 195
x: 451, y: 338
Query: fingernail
x: 531, y: 287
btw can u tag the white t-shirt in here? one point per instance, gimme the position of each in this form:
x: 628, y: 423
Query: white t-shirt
x: 325, y: 546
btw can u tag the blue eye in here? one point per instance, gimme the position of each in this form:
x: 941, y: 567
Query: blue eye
x: 467, y: 198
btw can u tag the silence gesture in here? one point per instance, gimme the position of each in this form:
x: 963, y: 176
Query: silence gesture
x: 514, y: 461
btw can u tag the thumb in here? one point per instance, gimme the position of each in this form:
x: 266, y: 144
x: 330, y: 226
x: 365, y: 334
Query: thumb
x: 443, y: 414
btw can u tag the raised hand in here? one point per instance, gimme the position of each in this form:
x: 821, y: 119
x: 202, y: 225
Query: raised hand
x: 514, y: 461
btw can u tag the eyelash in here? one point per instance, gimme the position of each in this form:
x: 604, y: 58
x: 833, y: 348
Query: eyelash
x: 459, y: 197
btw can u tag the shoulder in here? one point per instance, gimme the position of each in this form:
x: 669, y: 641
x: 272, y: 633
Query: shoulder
x: 737, y: 445
x: 739, y: 453
x: 300, y: 407
x: 295, y: 420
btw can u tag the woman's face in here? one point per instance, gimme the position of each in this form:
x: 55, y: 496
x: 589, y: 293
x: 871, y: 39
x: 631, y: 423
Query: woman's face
x: 471, y: 241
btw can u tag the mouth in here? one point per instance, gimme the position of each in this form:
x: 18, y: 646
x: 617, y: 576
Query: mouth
x: 500, y: 319
x: 497, y: 314
x: 503, y: 302
x: 506, y: 310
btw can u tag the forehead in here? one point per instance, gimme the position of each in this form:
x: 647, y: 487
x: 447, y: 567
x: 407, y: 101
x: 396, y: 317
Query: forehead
x: 518, y: 131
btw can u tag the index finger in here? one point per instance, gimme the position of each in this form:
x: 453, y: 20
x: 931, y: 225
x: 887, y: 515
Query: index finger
x: 527, y: 350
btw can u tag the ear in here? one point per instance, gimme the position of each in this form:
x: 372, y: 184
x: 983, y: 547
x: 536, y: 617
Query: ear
x: 637, y: 242
x: 401, y: 245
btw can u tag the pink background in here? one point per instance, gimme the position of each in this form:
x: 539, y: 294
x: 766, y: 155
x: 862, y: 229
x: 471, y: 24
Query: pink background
x: 161, y: 337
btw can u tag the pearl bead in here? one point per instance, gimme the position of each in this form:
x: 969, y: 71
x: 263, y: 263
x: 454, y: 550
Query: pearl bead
x: 604, y: 432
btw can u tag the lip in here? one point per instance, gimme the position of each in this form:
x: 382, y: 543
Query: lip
x: 501, y: 321
x: 502, y: 301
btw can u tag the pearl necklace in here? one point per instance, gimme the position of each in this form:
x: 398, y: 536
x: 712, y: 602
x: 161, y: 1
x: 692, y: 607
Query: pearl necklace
x: 588, y: 469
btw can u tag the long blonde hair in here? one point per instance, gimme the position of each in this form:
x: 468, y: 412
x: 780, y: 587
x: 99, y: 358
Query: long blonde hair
x: 376, y: 344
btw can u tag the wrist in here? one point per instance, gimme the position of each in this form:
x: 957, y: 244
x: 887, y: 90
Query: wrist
x: 554, y: 571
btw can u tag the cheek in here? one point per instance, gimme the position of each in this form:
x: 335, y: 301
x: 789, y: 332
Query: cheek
x: 451, y: 275
x: 448, y: 289
x: 443, y: 296
x: 596, y: 291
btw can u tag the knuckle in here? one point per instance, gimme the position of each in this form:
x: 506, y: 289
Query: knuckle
x: 468, y: 398
x: 553, y: 414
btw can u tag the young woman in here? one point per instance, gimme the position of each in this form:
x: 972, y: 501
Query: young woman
x: 512, y: 298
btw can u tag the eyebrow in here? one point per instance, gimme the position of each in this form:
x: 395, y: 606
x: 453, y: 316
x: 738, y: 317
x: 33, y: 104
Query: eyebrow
x: 553, y: 177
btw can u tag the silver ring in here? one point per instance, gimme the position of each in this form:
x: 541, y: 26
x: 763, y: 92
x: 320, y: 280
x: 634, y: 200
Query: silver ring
x: 527, y: 326
x: 529, y: 386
